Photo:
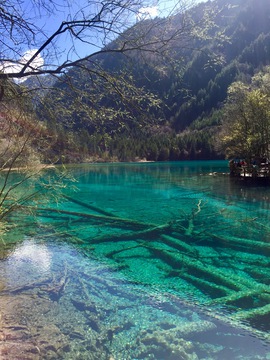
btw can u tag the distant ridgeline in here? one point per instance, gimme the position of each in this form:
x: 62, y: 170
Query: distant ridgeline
x: 92, y: 123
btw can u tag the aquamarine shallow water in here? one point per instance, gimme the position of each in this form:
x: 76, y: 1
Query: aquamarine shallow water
x: 143, y: 261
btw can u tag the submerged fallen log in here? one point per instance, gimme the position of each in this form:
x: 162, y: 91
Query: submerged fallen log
x: 149, y: 232
x: 57, y: 289
x: 205, y: 286
x: 178, y: 244
x: 247, y: 244
x: 252, y: 314
x: 25, y: 287
x: 111, y: 254
x: 260, y: 290
x: 117, y: 220
x: 152, y: 232
x: 88, y: 206
x: 234, y: 320
x: 198, y: 268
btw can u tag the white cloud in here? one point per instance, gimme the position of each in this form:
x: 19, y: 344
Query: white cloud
x: 37, y: 63
x: 147, y: 13
x: 16, y: 66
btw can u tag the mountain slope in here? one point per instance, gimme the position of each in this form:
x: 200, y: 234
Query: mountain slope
x: 167, y: 107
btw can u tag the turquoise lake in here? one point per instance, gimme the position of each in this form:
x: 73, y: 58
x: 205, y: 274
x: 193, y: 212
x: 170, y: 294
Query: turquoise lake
x: 164, y: 261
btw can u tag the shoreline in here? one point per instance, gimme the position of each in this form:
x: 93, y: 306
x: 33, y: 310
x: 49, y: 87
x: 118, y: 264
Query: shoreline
x: 36, y: 167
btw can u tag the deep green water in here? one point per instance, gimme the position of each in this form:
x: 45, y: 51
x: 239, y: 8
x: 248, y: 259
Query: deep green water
x: 143, y: 261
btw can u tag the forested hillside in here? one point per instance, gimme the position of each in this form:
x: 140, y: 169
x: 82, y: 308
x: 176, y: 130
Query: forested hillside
x: 159, y: 108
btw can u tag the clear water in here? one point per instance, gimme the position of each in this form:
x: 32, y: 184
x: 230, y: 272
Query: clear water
x: 143, y: 261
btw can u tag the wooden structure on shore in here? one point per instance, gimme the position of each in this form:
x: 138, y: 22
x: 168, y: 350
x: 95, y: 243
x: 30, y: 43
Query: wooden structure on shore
x: 257, y: 171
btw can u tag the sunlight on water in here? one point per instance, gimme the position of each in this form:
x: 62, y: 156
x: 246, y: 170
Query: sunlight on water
x: 35, y: 256
x: 161, y: 261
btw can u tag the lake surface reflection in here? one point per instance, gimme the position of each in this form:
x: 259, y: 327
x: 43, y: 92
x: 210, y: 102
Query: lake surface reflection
x: 143, y: 261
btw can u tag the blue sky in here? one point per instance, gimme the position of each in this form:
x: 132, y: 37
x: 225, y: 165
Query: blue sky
x: 51, y: 18
x: 154, y: 8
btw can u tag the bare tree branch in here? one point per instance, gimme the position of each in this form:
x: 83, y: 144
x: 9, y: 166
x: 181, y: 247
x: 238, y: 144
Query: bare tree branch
x: 106, y: 26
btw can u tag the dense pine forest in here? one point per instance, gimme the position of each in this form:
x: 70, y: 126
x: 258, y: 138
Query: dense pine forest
x: 156, y: 108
